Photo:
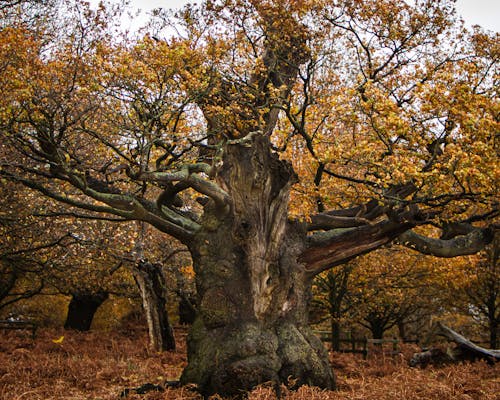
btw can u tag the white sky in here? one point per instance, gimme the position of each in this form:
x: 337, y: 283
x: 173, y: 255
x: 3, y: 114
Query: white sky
x: 481, y: 12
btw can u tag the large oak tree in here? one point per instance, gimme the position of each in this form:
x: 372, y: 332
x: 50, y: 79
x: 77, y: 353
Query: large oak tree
x: 275, y: 140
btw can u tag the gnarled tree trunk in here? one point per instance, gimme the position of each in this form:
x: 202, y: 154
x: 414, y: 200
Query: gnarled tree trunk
x: 252, y: 323
x: 254, y: 269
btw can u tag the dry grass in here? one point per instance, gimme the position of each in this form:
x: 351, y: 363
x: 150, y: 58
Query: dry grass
x: 94, y: 365
x: 99, y: 365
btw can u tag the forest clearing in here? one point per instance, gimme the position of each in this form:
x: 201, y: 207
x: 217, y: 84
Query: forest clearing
x: 100, y: 365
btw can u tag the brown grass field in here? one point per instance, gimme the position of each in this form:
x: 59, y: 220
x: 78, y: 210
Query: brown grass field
x: 99, y: 365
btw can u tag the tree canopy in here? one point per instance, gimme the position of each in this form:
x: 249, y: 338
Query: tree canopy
x: 394, y: 106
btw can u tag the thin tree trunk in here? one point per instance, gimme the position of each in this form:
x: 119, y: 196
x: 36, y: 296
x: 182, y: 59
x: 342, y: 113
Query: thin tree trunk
x: 335, y: 335
x: 494, y: 328
x: 402, y: 330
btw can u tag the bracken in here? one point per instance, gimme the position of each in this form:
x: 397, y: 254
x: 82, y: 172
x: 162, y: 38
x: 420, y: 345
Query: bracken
x: 99, y: 365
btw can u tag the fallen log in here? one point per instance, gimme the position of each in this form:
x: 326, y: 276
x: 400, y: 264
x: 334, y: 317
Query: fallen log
x: 464, y: 350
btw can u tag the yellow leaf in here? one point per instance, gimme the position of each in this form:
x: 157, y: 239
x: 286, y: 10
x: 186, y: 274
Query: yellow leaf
x: 58, y: 341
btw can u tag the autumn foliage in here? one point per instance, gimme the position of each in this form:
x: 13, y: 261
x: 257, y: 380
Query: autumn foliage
x: 276, y: 143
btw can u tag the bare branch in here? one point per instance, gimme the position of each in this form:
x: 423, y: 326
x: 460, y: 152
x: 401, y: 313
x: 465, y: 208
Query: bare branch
x: 125, y: 206
x: 364, y: 214
x: 325, y: 221
x: 43, y: 246
x: 53, y: 214
x: 458, y: 246
x: 20, y: 296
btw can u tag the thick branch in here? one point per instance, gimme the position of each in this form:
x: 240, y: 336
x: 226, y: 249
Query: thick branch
x: 325, y: 221
x: 363, y: 214
x: 337, y: 246
x: 130, y: 208
x: 135, y: 208
x: 458, y: 246
x: 189, y: 176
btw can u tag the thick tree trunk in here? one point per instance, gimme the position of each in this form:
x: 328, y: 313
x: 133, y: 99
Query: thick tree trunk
x: 252, y: 324
x: 376, y: 325
x: 149, y: 278
x: 82, y: 308
x: 377, y: 332
x: 251, y: 329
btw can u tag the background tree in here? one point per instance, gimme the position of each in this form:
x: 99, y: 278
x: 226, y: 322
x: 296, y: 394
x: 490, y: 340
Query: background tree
x: 482, y: 291
x: 110, y: 257
x: 388, y: 128
x: 25, y: 249
x: 88, y: 270
x: 331, y: 290
x: 41, y: 255
x: 390, y: 287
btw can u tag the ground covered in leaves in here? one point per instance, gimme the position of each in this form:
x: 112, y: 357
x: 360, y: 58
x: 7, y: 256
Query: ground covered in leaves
x: 100, y: 365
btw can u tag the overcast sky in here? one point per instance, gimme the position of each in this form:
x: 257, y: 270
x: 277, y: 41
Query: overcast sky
x: 482, y: 12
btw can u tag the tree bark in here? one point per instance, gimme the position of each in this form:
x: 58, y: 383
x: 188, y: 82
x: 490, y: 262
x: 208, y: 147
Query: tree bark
x: 187, y: 311
x: 82, y: 308
x: 149, y: 278
x: 402, y: 330
x: 252, y: 323
x: 335, y: 334
x: 494, y: 328
x: 377, y: 328
x: 461, y: 245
